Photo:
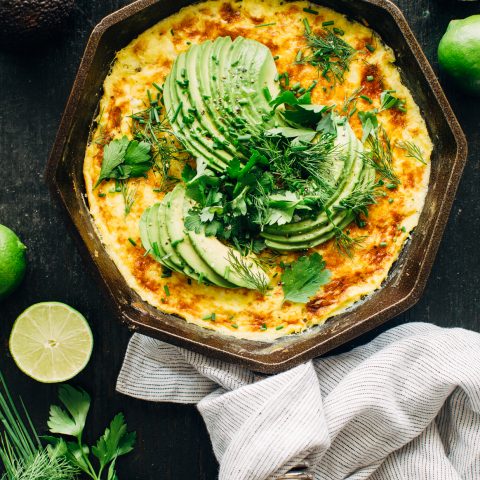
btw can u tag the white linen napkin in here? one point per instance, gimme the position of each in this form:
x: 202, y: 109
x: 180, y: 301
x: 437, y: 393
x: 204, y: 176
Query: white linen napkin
x: 405, y: 406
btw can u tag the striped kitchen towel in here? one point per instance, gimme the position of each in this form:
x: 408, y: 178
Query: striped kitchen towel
x: 405, y: 406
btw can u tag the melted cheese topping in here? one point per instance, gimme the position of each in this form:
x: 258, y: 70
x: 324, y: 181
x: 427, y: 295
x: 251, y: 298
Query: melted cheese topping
x: 244, y: 313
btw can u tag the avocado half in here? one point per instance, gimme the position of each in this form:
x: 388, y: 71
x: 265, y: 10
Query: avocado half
x: 25, y: 21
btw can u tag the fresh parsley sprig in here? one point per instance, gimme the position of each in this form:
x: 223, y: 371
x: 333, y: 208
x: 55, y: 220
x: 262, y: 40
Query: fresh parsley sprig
x: 70, y: 421
x: 124, y: 159
x: 302, y: 278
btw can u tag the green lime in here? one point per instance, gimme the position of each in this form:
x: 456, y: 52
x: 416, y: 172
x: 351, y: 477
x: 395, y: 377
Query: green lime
x: 51, y: 342
x: 459, y: 52
x: 13, y: 261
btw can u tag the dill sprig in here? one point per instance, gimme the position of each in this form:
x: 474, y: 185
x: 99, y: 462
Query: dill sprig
x: 412, y: 151
x: 379, y: 155
x: 150, y: 125
x: 328, y: 52
x: 346, y: 244
x: 243, y: 269
x: 304, y: 168
x: 360, y: 199
x: 129, y: 193
x: 21, y: 453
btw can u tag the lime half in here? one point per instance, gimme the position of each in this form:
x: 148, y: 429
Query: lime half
x: 51, y: 342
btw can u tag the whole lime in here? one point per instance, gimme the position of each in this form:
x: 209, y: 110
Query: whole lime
x: 13, y: 261
x: 459, y: 52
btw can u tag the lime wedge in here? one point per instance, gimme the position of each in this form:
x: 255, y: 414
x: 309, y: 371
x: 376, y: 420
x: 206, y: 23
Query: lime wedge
x: 51, y: 342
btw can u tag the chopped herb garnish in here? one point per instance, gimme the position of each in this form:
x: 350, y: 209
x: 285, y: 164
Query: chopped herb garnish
x: 132, y: 241
x: 370, y: 48
x: 327, y: 51
x: 367, y: 99
x: 370, y: 78
x: 388, y: 100
x: 338, y: 31
x: 234, y: 325
x: 382, y: 244
x: 328, y: 24
x: 266, y: 24
x: 310, y: 10
x: 167, y: 290
x: 279, y: 327
x: 102, y: 195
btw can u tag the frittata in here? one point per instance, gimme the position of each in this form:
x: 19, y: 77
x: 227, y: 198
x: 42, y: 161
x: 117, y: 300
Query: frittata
x: 367, y: 95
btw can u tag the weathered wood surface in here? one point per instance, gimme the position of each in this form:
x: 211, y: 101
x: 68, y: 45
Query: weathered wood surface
x: 173, y: 442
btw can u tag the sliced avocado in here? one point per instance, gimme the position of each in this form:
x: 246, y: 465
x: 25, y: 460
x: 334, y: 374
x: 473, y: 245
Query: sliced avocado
x: 187, y: 121
x: 166, y: 243
x: 350, y: 148
x: 213, y: 90
x: 157, y: 240
x: 216, y: 254
x: 143, y: 226
x: 181, y: 241
x: 309, y: 233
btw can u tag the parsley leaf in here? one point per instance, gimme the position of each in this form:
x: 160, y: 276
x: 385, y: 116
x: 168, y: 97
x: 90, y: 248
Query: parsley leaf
x: 114, y: 442
x: 124, y: 159
x: 113, y: 156
x: 137, y: 152
x: 303, y: 277
x: 300, y: 134
x: 193, y: 222
x: 72, y: 421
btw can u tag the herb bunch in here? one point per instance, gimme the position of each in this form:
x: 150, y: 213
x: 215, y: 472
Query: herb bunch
x: 115, y: 441
x: 286, y: 177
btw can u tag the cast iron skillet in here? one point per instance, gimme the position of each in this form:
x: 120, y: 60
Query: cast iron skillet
x: 407, y: 279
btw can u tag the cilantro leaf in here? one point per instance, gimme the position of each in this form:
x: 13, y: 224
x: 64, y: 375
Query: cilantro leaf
x: 303, y: 277
x: 113, y: 156
x: 114, y: 442
x: 234, y: 168
x: 72, y: 421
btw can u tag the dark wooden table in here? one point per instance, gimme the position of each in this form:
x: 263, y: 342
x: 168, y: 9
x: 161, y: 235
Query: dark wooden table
x: 172, y: 440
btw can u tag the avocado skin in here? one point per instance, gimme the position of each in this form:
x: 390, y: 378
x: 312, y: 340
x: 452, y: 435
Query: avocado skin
x: 23, y: 22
